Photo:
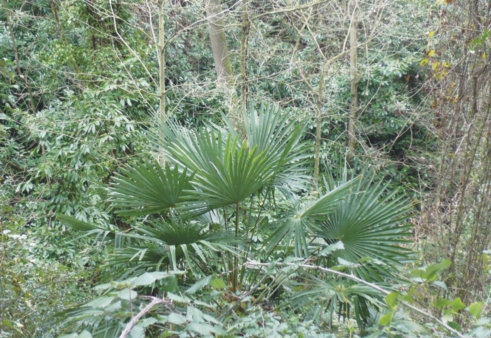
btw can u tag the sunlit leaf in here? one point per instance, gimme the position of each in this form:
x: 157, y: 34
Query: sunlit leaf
x: 475, y: 309
x: 386, y: 319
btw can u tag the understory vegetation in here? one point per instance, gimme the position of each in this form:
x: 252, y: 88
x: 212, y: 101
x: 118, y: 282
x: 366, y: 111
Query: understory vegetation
x: 196, y: 168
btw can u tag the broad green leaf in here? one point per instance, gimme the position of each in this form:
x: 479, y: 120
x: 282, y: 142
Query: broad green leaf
x: 455, y: 325
x: 475, y: 309
x: 205, y: 329
x: 100, y: 302
x: 442, y: 303
x: 440, y: 284
x: 432, y: 270
x: 175, y: 318
x: 126, y: 294
x: 177, y: 298
x: 391, y: 299
x: 170, y: 285
x: 199, y: 285
x: 457, y: 304
x: 149, y: 278
x: 137, y: 332
x: 386, y: 319
x: 217, y: 283
x: 85, y: 334
x: 416, y: 273
x: 194, y: 315
x: 147, y: 322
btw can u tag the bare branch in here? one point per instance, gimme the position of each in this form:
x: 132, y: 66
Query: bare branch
x: 146, y: 309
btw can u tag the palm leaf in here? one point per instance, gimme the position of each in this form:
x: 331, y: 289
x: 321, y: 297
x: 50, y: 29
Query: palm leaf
x: 369, y: 226
x: 226, y: 171
x: 163, y: 244
x: 278, y: 136
x: 148, y: 189
x: 297, y: 227
x: 88, y: 229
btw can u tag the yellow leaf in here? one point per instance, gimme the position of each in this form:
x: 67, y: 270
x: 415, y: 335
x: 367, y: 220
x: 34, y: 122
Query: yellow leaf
x: 431, y: 53
x: 483, y: 56
x: 423, y: 62
x: 430, y: 34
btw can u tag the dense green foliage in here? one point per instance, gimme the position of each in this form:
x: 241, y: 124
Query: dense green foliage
x: 210, y: 218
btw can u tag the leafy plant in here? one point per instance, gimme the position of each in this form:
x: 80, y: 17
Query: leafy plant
x: 196, y: 216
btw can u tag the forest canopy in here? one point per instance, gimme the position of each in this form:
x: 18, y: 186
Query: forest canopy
x: 188, y: 168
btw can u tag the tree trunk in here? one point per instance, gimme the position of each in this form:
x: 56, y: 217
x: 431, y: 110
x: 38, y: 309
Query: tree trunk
x: 353, y: 74
x: 221, y: 56
x: 318, y: 125
x: 243, y: 56
x: 161, y: 50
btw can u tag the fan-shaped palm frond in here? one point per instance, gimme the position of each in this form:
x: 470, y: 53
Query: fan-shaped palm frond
x: 369, y: 226
x: 148, y: 189
x: 162, y: 244
x: 226, y: 171
x: 100, y: 233
x: 298, y: 226
x: 278, y: 135
x: 159, y: 245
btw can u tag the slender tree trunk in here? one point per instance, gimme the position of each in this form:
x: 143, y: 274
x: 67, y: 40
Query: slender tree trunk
x: 318, y: 125
x: 161, y: 50
x: 219, y: 44
x: 221, y: 56
x: 244, y: 88
x: 353, y: 74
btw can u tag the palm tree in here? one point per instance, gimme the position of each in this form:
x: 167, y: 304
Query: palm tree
x: 219, y: 190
